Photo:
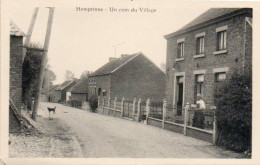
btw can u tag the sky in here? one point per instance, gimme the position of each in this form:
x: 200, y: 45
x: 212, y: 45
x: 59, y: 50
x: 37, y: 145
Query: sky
x: 85, y: 40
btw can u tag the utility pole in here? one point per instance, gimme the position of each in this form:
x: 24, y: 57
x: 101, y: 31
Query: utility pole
x: 30, y: 30
x: 43, y: 62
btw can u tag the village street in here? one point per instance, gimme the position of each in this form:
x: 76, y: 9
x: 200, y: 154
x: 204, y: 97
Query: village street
x: 93, y: 135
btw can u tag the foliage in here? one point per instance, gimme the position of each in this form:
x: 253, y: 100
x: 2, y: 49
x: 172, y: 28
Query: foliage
x: 84, y: 74
x: 49, y: 77
x: 31, y: 72
x: 69, y: 75
x: 93, y: 103
x: 233, y: 99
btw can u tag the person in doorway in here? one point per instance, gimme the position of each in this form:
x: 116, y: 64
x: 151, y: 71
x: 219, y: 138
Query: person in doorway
x: 198, y: 120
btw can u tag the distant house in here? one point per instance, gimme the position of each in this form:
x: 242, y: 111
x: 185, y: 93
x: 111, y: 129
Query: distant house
x: 205, y: 52
x: 130, y: 76
x: 15, y: 90
x: 59, y: 93
x: 79, y: 93
x: 53, y: 94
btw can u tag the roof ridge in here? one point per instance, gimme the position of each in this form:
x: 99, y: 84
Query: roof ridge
x: 136, y: 54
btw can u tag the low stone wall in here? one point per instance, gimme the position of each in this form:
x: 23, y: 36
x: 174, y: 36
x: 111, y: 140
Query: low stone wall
x: 200, y: 134
x: 154, y: 122
x: 118, y: 114
x: 173, y: 127
x: 110, y: 112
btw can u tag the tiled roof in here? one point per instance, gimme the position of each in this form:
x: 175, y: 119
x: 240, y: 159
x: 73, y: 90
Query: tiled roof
x: 54, y: 87
x: 15, y: 30
x: 63, y: 85
x: 210, y: 15
x: 80, y: 87
x: 113, y: 65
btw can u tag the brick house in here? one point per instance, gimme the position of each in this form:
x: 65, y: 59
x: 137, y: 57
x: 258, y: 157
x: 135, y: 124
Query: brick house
x: 53, y: 94
x: 204, y: 52
x: 130, y: 76
x: 79, y: 93
x: 15, y: 89
x: 59, y: 93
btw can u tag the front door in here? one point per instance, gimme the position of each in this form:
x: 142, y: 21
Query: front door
x: 179, y: 95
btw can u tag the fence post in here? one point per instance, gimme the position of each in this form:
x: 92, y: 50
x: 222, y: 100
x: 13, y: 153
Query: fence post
x: 214, y: 125
x: 164, y: 112
x: 108, y: 106
x: 103, y: 104
x: 139, y: 110
x: 115, y: 106
x: 122, y: 108
x: 186, y: 111
x: 147, y: 110
x: 134, y: 108
x: 98, y: 102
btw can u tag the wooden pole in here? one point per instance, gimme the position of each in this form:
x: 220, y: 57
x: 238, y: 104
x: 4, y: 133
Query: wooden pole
x: 44, y: 57
x: 30, y: 30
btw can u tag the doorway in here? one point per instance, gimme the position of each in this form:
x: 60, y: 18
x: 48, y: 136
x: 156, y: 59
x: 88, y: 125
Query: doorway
x: 179, y: 95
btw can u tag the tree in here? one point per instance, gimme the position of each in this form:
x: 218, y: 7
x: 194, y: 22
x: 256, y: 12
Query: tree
x: 233, y: 99
x: 69, y: 75
x: 84, y: 74
x: 49, y: 77
x: 163, y: 67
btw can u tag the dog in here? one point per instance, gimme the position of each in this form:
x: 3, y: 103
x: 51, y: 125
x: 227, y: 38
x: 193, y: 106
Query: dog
x: 51, y: 110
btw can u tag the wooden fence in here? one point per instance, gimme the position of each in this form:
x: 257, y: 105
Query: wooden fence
x: 155, y: 114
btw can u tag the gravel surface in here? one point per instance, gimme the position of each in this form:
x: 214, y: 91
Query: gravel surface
x: 78, y: 133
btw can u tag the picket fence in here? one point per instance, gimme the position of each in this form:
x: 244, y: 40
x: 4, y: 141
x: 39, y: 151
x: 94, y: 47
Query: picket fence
x: 155, y: 114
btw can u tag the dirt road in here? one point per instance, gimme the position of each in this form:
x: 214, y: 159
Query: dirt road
x: 97, y: 135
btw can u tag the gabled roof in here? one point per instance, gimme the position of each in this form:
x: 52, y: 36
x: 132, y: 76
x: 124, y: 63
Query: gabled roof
x: 113, y: 65
x: 64, y: 85
x: 80, y: 87
x: 209, y: 16
x: 15, y: 30
x: 54, y: 87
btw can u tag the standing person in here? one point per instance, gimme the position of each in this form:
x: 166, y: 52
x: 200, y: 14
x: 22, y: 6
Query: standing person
x: 198, y: 120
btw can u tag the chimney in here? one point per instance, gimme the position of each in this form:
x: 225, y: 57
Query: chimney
x: 112, y: 58
x: 124, y: 55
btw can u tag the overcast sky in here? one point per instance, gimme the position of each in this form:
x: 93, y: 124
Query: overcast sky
x: 84, y: 40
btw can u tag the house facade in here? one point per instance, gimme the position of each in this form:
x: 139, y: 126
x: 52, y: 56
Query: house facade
x: 59, y: 93
x: 130, y: 76
x: 15, y: 84
x: 79, y: 94
x: 206, y: 51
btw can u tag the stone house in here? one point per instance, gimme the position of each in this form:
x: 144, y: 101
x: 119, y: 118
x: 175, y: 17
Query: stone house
x: 59, y: 93
x: 79, y: 93
x: 53, y: 94
x: 15, y: 84
x: 130, y: 76
x: 204, y: 52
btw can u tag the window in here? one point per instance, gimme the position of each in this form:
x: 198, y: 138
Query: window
x: 180, y: 50
x: 220, y: 76
x: 222, y: 40
x: 200, y: 45
x: 199, y: 88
